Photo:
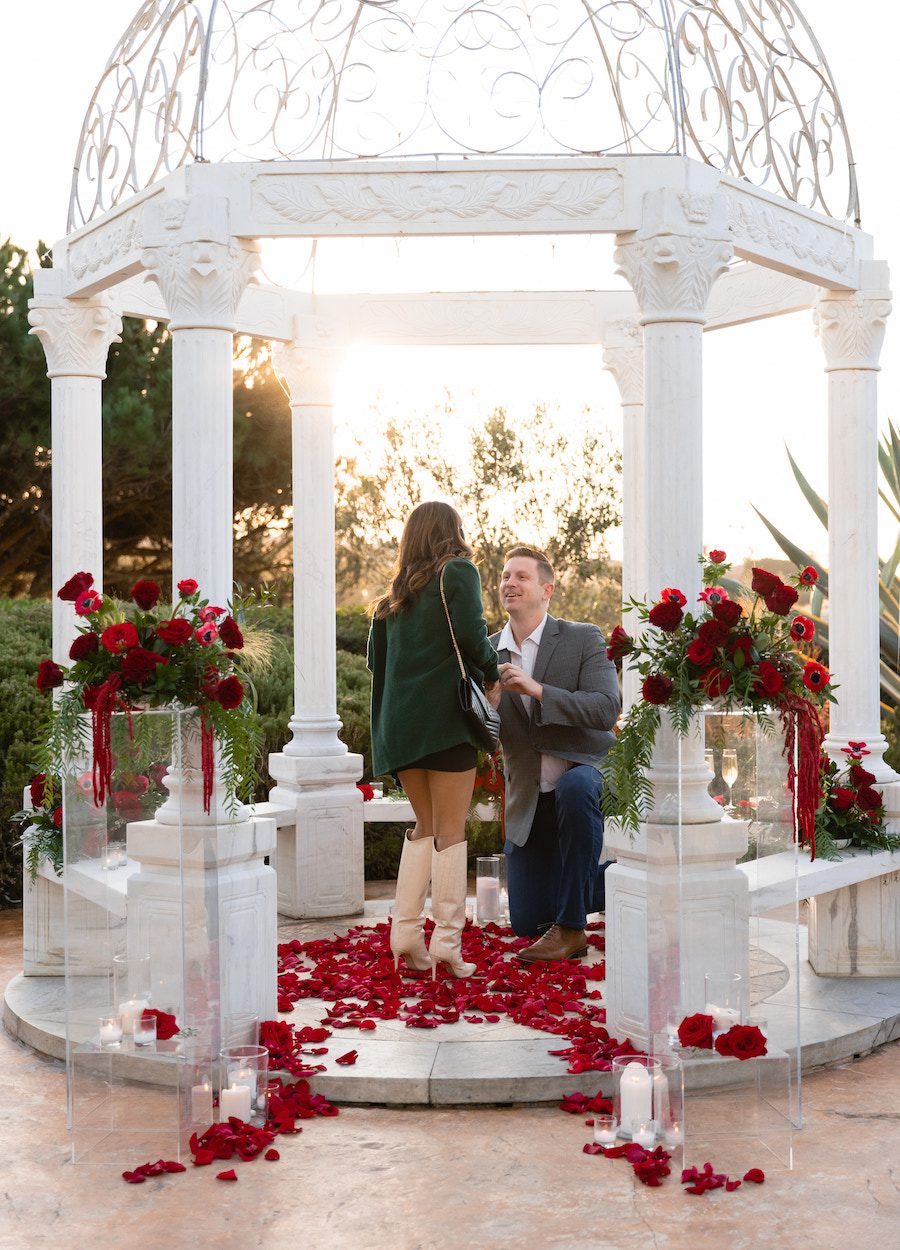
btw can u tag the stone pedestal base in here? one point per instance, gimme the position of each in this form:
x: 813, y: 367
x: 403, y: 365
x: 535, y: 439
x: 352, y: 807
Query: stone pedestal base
x: 855, y: 931
x: 320, y: 857
x: 204, y: 901
x: 663, y: 936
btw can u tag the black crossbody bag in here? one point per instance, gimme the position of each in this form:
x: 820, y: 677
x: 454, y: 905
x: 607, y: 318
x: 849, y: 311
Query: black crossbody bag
x: 480, y: 716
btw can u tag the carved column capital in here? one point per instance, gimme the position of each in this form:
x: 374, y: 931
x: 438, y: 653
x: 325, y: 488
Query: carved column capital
x: 851, y: 326
x: 307, y: 373
x: 202, y: 281
x: 76, y: 334
x: 623, y: 357
x: 672, y: 274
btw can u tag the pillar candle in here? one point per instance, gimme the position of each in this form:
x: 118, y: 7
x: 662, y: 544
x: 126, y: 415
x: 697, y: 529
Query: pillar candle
x: 635, y: 1097
x: 235, y: 1101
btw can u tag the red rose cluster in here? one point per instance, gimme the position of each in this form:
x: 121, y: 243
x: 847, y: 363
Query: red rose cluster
x: 741, y: 1041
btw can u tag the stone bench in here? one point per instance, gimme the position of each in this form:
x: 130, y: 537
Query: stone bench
x: 854, y: 907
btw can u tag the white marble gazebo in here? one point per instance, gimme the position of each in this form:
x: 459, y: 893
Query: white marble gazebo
x: 706, y: 138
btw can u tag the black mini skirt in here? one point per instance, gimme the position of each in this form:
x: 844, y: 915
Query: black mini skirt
x: 457, y: 759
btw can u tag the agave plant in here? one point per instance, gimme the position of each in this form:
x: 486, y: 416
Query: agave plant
x: 889, y: 624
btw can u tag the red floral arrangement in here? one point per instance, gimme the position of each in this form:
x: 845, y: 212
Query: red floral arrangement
x: 144, y: 654
x: 851, y: 806
x: 743, y: 651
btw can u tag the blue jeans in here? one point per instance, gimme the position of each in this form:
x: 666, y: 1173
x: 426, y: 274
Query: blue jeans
x: 557, y: 876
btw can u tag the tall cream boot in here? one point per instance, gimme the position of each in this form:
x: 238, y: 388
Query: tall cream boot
x: 407, y: 921
x: 448, y: 905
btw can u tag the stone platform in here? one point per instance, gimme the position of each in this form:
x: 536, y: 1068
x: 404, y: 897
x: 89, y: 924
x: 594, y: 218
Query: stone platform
x: 506, y: 1063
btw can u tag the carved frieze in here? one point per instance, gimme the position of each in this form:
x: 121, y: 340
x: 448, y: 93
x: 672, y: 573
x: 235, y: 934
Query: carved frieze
x: 754, y: 222
x: 107, y: 246
x: 455, y: 197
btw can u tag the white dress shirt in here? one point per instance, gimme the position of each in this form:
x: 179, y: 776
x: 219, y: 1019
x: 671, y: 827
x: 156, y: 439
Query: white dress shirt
x: 552, y: 767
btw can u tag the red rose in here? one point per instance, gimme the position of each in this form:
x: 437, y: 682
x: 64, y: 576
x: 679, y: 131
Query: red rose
x: 860, y: 776
x: 743, y: 643
x: 187, y: 587
x: 119, y: 638
x: 713, y: 595
x: 716, y: 682
x: 139, y: 664
x: 781, y: 599
x: 57, y: 817
x: 620, y: 644
x: 808, y: 576
x: 764, y: 582
x: 666, y: 615
x: 87, y: 602
x: 76, y: 585
x: 229, y: 693
x: 230, y: 634
x: 37, y: 789
x: 815, y: 676
x: 699, y: 652
x: 145, y: 594
x: 729, y: 612
x: 713, y: 633
x: 742, y: 1041
x: 656, y: 688
x: 206, y: 634
x: 83, y: 646
x: 49, y: 675
x: 768, y: 678
x: 696, y: 1031
x: 869, y: 798
x: 717, y: 557
x: 671, y: 594
x: 174, y: 632
x: 842, y: 798
x: 365, y: 790
x: 802, y: 629
x: 166, y: 1024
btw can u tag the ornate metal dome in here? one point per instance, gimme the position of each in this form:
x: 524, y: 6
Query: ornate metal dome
x: 740, y: 84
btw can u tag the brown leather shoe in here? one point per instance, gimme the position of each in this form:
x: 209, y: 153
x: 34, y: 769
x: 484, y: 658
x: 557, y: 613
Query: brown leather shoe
x: 557, y: 943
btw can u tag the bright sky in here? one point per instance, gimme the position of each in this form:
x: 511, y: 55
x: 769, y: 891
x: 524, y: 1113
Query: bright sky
x: 764, y: 384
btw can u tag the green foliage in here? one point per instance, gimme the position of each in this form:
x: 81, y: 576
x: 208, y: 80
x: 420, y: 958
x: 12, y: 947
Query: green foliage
x: 137, y: 457
x: 518, y: 482
x: 889, y: 623
x: 352, y: 626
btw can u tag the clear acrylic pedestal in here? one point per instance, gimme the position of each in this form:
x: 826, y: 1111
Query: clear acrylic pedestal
x: 183, y: 935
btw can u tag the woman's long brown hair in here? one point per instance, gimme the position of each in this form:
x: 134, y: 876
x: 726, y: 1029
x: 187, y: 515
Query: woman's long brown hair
x: 432, y: 535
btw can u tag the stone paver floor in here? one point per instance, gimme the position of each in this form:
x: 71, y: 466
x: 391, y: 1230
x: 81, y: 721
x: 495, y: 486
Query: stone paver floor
x: 496, y: 1179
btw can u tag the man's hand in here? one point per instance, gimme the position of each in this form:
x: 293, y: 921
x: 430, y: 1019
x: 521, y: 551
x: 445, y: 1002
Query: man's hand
x: 493, y: 691
x: 515, y: 680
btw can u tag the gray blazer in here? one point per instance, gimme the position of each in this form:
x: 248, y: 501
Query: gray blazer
x: 581, y: 705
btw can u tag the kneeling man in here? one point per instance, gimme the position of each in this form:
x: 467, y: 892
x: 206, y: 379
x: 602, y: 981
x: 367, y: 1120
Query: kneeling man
x: 558, y: 704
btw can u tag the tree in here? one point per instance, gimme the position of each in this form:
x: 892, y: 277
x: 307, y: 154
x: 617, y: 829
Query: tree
x: 519, y: 482
x: 137, y: 457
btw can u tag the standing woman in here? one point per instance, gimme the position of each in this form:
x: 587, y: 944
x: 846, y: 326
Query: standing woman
x: 418, y: 729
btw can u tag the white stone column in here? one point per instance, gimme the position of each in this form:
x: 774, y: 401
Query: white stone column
x: 320, y: 858
x: 677, y: 906
x: 204, y: 900
x: 76, y: 335
x: 671, y: 264
x: 851, y: 327
x: 623, y: 357
x: 201, y: 281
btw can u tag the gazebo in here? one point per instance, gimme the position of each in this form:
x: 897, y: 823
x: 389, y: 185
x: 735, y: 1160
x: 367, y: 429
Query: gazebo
x: 706, y: 137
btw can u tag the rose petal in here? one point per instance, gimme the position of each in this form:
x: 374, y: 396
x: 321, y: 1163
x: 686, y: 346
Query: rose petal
x: 272, y: 1155
x: 756, y: 1176
x: 230, y: 1175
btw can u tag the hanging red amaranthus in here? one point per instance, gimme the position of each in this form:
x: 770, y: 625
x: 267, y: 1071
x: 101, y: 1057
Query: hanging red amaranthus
x: 802, y: 746
x: 102, y: 701
x: 207, y: 758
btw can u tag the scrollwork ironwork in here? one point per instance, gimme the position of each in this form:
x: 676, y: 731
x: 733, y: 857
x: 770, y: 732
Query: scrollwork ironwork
x: 740, y: 84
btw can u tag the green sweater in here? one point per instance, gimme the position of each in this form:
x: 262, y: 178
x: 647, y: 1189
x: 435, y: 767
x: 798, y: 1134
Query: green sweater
x: 415, y: 673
